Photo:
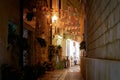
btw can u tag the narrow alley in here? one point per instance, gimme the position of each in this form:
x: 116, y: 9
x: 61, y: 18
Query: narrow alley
x: 72, y: 73
x: 59, y: 39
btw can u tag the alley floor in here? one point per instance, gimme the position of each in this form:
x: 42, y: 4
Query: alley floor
x: 72, y: 73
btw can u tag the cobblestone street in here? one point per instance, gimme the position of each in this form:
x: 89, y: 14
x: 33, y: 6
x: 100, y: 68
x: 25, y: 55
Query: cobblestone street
x: 73, y: 73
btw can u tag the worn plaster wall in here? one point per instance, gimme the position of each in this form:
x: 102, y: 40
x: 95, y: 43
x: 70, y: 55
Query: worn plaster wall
x: 103, y: 39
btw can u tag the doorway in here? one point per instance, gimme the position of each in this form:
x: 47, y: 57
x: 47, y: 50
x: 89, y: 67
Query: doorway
x: 73, y: 52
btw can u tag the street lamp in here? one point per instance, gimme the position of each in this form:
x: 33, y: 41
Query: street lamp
x: 51, y: 47
x: 51, y: 18
x: 54, y: 19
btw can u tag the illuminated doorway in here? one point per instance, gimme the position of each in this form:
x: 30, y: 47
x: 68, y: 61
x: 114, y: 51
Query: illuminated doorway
x: 73, y: 52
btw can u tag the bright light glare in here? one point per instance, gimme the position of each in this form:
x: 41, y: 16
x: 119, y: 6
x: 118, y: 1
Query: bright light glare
x: 54, y: 18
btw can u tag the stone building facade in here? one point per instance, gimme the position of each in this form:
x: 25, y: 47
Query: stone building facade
x: 102, y: 32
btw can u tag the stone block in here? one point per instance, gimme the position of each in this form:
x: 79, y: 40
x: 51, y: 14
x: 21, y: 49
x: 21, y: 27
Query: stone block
x: 105, y: 13
x: 103, y: 39
x: 109, y: 6
x: 103, y: 71
x: 114, y: 31
x: 103, y: 18
x: 118, y: 30
x: 117, y: 49
x: 119, y: 11
x: 110, y: 35
x: 107, y: 10
x: 111, y: 22
x: 103, y: 4
x: 102, y: 28
x: 104, y: 51
x: 110, y: 50
x: 116, y: 15
x: 114, y: 3
x: 114, y: 70
x: 106, y: 37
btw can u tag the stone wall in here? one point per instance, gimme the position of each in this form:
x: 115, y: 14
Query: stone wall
x: 101, y: 69
x: 9, y: 10
x: 102, y: 32
x: 103, y: 29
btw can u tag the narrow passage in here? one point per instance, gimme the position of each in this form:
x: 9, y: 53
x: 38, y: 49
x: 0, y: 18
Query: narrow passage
x: 73, y: 73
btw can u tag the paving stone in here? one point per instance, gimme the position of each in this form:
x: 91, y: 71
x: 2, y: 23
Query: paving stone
x: 72, y: 73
